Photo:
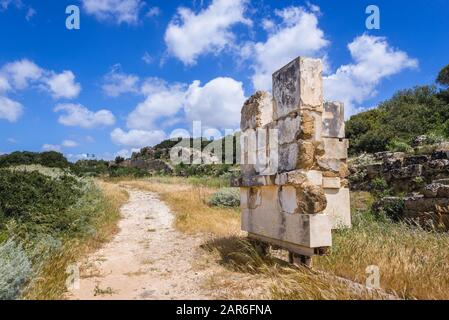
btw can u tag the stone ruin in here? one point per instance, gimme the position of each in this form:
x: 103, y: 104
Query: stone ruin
x: 293, y: 184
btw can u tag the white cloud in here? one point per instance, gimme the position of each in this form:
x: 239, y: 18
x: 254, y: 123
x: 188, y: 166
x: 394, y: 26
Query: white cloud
x: 78, y: 115
x: 51, y: 147
x: 117, y: 82
x: 120, y: 11
x: 10, y: 110
x: 162, y: 100
x: 153, y: 12
x: 147, y: 58
x: 30, y: 13
x: 374, y: 60
x: 69, y: 144
x: 297, y: 34
x: 21, y: 72
x: 137, y: 138
x: 63, y: 85
x: 191, y: 34
x: 4, y: 84
x: 216, y: 104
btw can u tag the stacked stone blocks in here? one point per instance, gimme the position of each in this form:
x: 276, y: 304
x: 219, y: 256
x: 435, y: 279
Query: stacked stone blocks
x: 294, y: 173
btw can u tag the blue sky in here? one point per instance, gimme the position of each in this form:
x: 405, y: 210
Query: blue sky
x: 138, y: 69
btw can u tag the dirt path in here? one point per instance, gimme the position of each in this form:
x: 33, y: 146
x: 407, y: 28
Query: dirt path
x: 147, y: 259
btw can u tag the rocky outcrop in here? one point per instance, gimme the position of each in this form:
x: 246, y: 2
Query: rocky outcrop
x: 402, y: 172
x: 430, y: 209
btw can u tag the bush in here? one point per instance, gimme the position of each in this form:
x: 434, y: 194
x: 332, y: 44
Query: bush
x: 36, y: 201
x: 399, y: 146
x: 409, y: 113
x: 127, y: 172
x: 392, y: 208
x: 15, y: 270
x: 379, y: 187
x: 50, y: 159
x: 226, y: 197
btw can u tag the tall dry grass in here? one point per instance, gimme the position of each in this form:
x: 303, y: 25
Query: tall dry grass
x: 189, y: 203
x: 51, y: 281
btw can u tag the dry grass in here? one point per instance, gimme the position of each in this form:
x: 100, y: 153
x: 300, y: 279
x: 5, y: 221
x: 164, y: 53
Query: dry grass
x: 188, y: 201
x: 50, y: 284
x: 413, y: 263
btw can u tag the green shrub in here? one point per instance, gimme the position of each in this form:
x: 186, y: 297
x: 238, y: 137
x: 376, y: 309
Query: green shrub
x: 399, y: 146
x: 127, y: 172
x: 226, y: 197
x: 15, y: 270
x: 50, y: 159
x: 408, y: 114
x: 379, y: 187
x: 38, y: 202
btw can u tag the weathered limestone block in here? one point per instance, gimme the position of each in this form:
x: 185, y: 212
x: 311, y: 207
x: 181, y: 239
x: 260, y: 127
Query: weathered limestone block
x: 288, y: 157
x: 304, y: 199
x: 298, y: 85
x: 419, y: 204
x: 411, y: 171
x: 306, y: 155
x: 338, y: 207
x: 299, y: 177
x: 289, y: 129
x: 331, y: 183
x: 310, y: 199
x: 335, y: 148
x: 268, y: 220
x: 257, y: 111
x: 333, y: 120
x: 250, y: 198
x: 311, y: 125
x: 255, y: 181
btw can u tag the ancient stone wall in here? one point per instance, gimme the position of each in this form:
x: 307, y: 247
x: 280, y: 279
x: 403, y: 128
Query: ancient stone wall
x: 293, y: 160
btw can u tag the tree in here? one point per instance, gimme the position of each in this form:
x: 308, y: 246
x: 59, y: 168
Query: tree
x: 443, y: 76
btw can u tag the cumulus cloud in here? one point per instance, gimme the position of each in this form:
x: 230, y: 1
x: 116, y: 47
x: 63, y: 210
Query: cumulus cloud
x: 373, y: 60
x: 191, y: 34
x: 162, y: 100
x: 116, y: 82
x: 63, y: 85
x: 119, y: 11
x: 78, y: 115
x: 51, y: 147
x: 21, y: 72
x: 216, y: 104
x: 295, y: 34
x: 137, y: 138
x: 69, y: 144
x: 10, y: 110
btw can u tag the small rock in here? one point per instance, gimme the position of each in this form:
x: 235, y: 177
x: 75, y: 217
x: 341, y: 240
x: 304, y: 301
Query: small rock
x: 431, y: 191
x: 443, y: 191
